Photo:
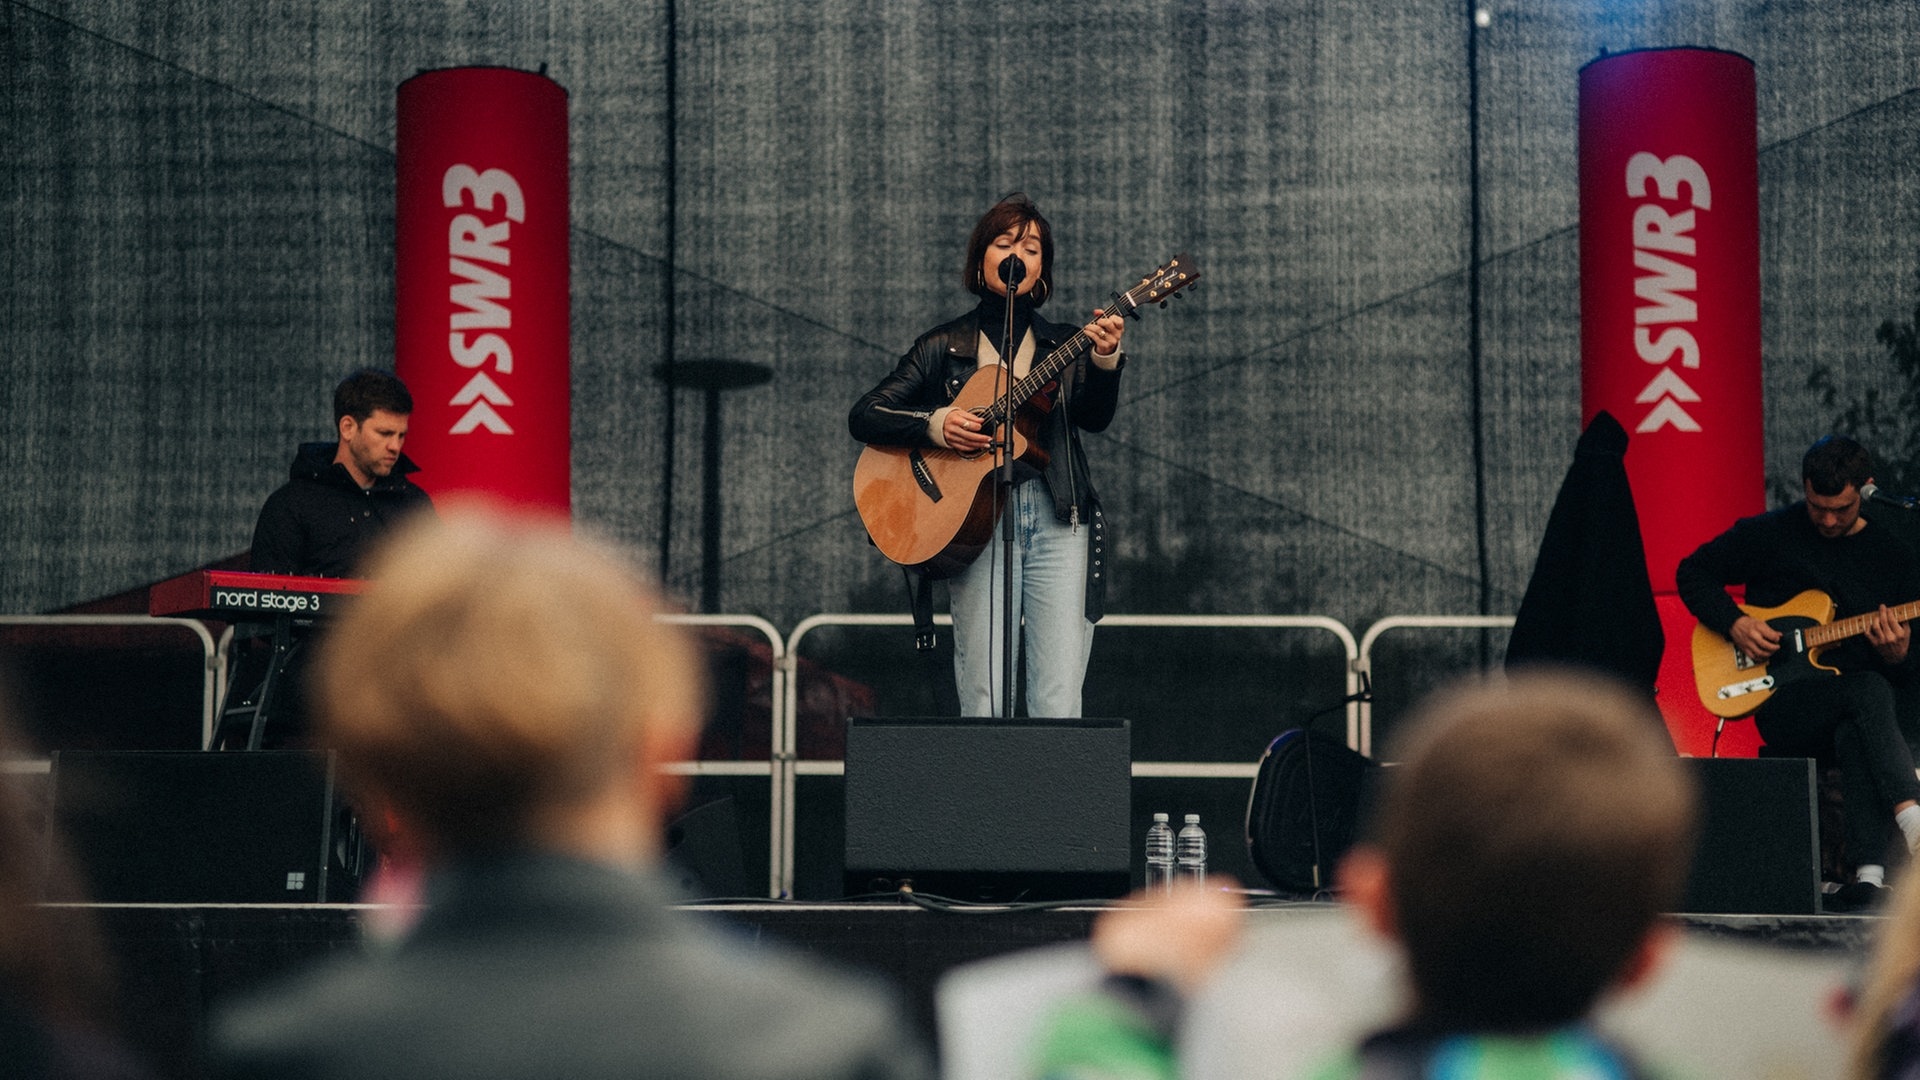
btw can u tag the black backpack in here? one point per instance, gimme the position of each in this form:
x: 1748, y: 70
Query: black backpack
x: 1306, y: 808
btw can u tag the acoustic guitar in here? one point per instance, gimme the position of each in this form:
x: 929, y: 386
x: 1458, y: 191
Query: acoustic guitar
x: 931, y: 509
x: 1733, y: 684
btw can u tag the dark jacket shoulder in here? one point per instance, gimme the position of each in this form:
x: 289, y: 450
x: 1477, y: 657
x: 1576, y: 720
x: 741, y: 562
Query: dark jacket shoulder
x: 320, y: 521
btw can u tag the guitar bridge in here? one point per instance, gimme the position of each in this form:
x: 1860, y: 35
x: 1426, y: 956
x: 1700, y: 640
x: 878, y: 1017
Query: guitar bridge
x: 1742, y: 689
x: 1741, y: 661
x: 923, y: 476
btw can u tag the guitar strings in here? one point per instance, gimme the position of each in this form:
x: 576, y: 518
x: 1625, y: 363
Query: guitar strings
x: 1057, y: 360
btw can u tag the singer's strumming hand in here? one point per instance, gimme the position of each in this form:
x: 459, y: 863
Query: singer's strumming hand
x: 964, y: 432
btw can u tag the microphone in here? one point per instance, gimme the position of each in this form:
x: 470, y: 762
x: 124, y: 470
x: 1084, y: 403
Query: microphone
x: 1872, y: 493
x: 1012, y: 271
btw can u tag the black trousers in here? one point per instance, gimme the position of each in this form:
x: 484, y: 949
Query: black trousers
x: 1850, y: 718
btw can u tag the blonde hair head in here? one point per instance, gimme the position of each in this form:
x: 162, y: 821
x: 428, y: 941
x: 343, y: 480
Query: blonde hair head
x: 496, y: 668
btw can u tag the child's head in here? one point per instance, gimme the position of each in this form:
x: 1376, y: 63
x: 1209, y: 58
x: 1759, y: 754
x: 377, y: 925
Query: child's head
x: 1533, y: 831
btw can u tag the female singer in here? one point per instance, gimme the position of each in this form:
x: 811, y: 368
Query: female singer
x: 1059, y: 558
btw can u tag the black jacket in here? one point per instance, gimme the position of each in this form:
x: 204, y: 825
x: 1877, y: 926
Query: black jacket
x: 896, y: 412
x: 1590, y: 600
x: 319, y: 522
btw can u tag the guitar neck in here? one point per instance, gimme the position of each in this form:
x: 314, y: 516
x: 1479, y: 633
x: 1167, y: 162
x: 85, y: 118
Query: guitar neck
x: 1049, y: 368
x: 1841, y: 629
x: 1162, y: 283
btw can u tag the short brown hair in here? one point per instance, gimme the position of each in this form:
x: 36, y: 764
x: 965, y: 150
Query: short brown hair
x: 1835, y: 462
x: 1012, y: 214
x: 496, y: 667
x: 1537, y: 828
x: 367, y: 389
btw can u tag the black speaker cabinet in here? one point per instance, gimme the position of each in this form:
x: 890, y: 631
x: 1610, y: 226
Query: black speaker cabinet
x: 989, y: 809
x: 198, y: 827
x: 1759, y: 851
x: 703, y: 853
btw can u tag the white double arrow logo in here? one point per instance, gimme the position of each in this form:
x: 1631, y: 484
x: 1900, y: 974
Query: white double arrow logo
x: 482, y: 394
x: 1669, y: 390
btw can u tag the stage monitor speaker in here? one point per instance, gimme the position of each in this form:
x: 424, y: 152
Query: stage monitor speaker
x: 703, y: 853
x: 994, y: 810
x: 204, y: 827
x: 1759, y: 850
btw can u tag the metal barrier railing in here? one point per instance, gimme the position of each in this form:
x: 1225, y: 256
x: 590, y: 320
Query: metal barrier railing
x: 216, y: 688
x: 1409, y: 622
x: 214, y: 673
x: 1174, y: 769
x: 783, y: 764
x: 778, y: 766
x: 1254, y: 622
x: 783, y: 841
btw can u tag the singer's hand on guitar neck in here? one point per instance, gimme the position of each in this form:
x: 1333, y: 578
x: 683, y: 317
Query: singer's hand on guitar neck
x: 1105, y: 331
x: 1755, y: 638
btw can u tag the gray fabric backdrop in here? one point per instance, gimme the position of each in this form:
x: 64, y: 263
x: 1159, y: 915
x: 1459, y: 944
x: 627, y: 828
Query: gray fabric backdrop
x: 197, y: 233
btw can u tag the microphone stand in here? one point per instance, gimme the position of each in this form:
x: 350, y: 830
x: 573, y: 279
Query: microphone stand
x: 1306, y: 733
x: 1011, y: 271
x: 1870, y: 492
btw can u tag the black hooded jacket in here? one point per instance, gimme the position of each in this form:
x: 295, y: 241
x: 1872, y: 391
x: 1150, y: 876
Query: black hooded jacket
x: 320, y: 521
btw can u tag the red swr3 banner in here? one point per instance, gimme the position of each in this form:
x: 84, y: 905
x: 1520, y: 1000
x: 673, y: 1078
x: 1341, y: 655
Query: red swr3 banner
x: 1670, y: 287
x: 481, y: 283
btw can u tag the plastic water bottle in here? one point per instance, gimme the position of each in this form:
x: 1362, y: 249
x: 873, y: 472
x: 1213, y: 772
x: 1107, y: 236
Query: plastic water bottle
x: 1190, y: 851
x: 1159, y: 855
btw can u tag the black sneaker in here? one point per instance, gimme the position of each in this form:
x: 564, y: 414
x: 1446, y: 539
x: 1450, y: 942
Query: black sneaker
x: 1858, y: 896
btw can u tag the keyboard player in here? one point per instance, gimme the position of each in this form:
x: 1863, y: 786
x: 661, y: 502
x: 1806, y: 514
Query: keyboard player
x: 338, y: 499
x: 340, y: 496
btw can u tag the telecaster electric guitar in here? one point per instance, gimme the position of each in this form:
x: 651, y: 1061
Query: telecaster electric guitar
x: 932, y: 509
x: 1732, y: 684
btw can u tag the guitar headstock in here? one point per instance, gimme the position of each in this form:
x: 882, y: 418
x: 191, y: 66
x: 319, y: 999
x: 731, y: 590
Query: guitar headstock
x: 1167, y: 279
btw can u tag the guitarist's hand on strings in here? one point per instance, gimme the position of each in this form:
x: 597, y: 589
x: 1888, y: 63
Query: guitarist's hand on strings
x: 1755, y: 638
x: 1889, y: 635
x: 963, y: 432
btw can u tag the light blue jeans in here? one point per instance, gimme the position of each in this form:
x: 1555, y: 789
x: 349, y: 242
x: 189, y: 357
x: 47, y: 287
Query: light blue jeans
x: 1049, y: 594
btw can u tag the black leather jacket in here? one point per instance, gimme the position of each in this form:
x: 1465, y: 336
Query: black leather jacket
x: 896, y: 413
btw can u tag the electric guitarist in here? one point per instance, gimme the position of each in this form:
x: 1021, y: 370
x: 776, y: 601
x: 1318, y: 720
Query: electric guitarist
x: 1823, y: 543
x: 1060, y: 555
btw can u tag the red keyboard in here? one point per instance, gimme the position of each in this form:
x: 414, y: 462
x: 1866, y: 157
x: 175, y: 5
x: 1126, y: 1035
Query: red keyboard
x: 236, y: 596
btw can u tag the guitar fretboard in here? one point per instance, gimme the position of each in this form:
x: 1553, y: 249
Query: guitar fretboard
x: 1164, y: 282
x: 1842, y: 629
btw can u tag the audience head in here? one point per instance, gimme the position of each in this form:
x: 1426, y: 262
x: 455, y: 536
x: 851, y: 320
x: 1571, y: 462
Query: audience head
x: 1527, y: 842
x: 1892, y: 980
x: 505, y: 684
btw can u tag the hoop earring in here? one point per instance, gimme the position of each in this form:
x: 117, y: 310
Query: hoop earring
x: 1041, y: 291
